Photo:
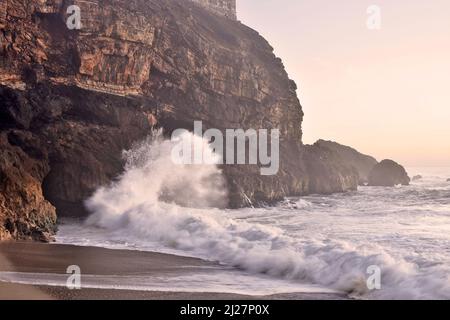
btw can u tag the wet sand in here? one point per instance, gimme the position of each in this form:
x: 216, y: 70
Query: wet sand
x: 30, y: 257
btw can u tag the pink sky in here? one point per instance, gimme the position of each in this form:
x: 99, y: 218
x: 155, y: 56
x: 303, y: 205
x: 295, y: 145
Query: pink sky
x: 386, y: 92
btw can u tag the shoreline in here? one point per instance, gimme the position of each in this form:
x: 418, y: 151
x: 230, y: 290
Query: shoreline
x: 14, y: 291
x: 32, y: 258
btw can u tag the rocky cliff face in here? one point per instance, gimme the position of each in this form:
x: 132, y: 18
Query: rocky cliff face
x: 72, y: 100
x: 24, y: 213
x: 225, y: 8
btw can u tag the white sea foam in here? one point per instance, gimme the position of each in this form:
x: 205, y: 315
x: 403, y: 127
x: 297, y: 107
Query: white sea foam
x: 214, y: 281
x: 331, y: 241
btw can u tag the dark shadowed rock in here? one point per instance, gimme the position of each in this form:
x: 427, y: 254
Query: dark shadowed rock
x: 448, y: 180
x: 361, y: 162
x: 388, y: 173
x: 329, y: 174
x: 417, y: 177
x: 24, y: 212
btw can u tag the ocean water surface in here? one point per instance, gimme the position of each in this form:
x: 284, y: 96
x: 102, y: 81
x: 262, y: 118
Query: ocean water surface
x: 309, y: 244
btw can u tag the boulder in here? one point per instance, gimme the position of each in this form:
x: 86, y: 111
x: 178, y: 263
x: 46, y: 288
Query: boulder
x: 388, y: 173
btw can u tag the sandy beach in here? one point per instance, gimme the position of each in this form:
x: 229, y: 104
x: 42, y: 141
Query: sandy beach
x: 39, y: 258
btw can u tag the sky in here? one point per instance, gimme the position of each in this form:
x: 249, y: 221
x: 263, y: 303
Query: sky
x: 386, y: 91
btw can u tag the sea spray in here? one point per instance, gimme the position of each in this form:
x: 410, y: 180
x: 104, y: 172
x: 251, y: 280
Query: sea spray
x: 173, y: 206
x: 152, y: 179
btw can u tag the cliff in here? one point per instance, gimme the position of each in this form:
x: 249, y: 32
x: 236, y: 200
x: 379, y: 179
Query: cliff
x: 72, y: 100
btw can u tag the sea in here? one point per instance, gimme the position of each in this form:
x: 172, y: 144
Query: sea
x: 373, y: 243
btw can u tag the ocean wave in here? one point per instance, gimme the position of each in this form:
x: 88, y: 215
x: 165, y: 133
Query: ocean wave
x: 137, y: 208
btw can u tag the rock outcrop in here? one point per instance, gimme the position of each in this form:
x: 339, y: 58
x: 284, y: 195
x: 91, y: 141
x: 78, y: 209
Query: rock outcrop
x: 72, y: 100
x: 327, y: 171
x: 226, y: 8
x: 24, y: 213
x: 361, y: 162
x: 388, y: 173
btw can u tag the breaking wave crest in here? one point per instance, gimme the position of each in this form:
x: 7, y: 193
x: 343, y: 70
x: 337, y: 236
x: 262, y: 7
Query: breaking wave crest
x: 176, y: 207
